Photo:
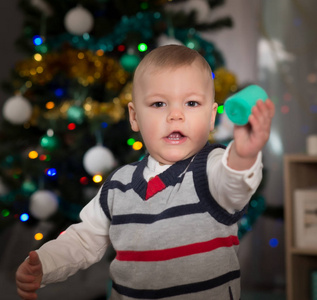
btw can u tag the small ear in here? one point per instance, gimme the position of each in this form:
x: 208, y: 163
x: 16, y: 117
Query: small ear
x: 132, y: 117
x: 213, y: 116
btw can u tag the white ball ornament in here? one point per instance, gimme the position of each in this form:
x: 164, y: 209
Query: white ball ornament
x: 17, y: 110
x: 43, y: 204
x: 98, y: 160
x: 79, y: 21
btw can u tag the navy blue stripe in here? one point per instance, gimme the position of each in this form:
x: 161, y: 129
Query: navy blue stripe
x: 182, y: 210
x: 103, y: 199
x: 177, y: 290
x: 203, y: 192
x: 115, y: 184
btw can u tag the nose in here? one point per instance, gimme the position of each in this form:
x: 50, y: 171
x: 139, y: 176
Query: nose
x: 176, y: 114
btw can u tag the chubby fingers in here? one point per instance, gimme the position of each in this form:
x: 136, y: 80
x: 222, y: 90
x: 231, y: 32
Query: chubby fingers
x: 26, y: 295
x: 262, y: 113
x: 26, y: 286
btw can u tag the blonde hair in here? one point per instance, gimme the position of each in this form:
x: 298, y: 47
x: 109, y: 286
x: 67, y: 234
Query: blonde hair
x: 171, y: 56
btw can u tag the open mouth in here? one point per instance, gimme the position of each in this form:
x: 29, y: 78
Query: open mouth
x: 175, y: 136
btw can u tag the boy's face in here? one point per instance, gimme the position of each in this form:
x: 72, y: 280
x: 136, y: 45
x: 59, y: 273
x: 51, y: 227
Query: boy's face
x: 174, y: 111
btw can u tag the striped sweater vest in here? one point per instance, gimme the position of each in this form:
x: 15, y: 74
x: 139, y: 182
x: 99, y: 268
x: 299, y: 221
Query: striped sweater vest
x: 172, y: 239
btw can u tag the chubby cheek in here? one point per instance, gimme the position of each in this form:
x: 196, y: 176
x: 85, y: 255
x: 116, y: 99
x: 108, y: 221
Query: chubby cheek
x: 149, y: 128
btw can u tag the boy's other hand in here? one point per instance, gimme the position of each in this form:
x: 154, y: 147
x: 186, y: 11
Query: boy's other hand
x: 29, y: 276
x: 251, y: 138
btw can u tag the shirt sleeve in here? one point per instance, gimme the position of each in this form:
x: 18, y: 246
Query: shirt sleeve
x: 232, y: 189
x: 81, y: 245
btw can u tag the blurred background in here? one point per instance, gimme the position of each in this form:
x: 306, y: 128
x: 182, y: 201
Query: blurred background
x: 66, y: 71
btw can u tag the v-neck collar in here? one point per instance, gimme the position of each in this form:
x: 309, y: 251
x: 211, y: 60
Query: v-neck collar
x: 167, y: 178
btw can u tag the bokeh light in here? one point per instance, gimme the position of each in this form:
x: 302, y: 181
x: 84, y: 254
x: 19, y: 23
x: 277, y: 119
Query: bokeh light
x: 220, y: 109
x: 38, y: 236
x: 33, y: 154
x: 50, y: 105
x: 142, y: 47
x: 137, y: 146
x: 273, y: 242
x: 130, y: 141
x: 71, y: 126
x: 97, y: 178
x: 37, y: 40
x: 24, y: 217
x: 51, y: 172
x: 5, y: 213
x: 84, y: 180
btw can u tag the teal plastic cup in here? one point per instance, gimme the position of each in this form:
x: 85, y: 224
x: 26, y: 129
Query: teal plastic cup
x: 238, y: 107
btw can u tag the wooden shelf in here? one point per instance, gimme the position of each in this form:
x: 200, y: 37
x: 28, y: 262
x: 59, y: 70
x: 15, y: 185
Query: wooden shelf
x: 302, y: 251
x: 300, y: 172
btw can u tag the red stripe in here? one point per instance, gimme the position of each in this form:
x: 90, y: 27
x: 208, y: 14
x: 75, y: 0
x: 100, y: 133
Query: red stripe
x: 171, y: 253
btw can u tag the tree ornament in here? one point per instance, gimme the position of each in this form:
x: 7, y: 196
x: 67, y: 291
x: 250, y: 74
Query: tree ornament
x: 200, y: 7
x: 193, y: 43
x: 43, y: 204
x: 28, y: 186
x: 79, y: 20
x: 43, y: 6
x: 164, y: 40
x: 76, y: 114
x: 98, y: 160
x: 3, y: 189
x: 49, y: 142
x: 129, y: 62
x: 17, y: 110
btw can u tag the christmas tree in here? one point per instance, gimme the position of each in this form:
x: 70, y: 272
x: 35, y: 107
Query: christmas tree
x: 65, y: 125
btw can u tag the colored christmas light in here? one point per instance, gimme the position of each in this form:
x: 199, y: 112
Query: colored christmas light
x: 71, y: 126
x: 97, y: 178
x: 130, y: 141
x: 38, y: 236
x: 137, y: 146
x: 59, y: 92
x: 37, y: 40
x: 24, y: 217
x: 5, y: 213
x: 121, y: 48
x: 51, y: 172
x: 84, y: 180
x: 33, y: 154
x: 142, y: 47
x: 220, y: 109
x: 50, y: 105
x: 38, y: 56
x: 273, y: 242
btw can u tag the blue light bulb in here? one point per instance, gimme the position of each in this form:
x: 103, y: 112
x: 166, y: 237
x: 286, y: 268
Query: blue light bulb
x: 51, y: 172
x: 37, y: 40
x: 24, y: 217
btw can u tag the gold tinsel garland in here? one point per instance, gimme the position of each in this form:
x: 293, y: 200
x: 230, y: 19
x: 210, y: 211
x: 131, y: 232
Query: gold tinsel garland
x: 114, y: 109
x: 225, y: 84
x: 85, y: 66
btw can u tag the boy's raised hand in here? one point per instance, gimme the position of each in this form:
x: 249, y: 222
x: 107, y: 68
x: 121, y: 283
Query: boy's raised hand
x: 251, y: 138
x: 29, y: 276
